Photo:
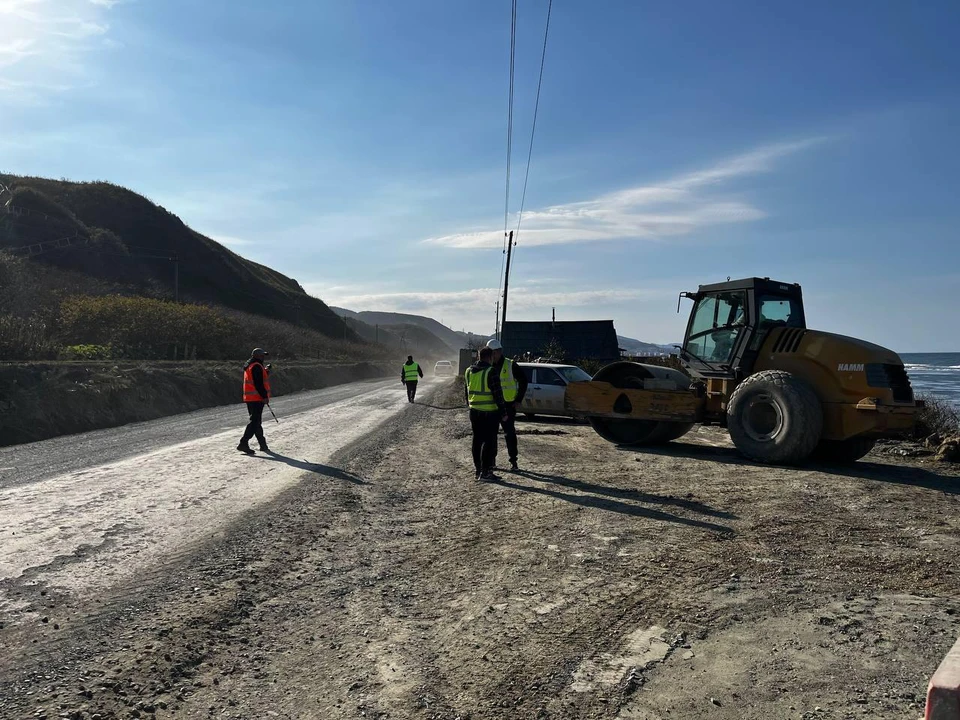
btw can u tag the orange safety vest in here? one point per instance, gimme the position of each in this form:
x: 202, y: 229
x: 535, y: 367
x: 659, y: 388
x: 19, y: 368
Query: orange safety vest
x: 250, y: 393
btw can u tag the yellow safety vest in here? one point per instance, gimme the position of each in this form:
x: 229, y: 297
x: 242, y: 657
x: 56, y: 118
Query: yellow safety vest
x: 479, y: 395
x: 508, y: 382
x: 411, y: 372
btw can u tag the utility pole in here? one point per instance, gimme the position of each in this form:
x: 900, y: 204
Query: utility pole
x: 506, y: 281
x: 496, y: 321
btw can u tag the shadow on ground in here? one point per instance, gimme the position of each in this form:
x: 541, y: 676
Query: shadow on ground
x: 620, y: 500
x: 440, y: 407
x: 864, y: 470
x: 318, y: 468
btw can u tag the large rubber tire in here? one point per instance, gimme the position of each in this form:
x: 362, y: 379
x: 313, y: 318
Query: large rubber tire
x: 843, y: 452
x: 775, y: 418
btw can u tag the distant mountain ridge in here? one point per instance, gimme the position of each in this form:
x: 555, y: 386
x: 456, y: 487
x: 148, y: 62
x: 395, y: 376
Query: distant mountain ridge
x: 638, y: 347
x: 372, y: 317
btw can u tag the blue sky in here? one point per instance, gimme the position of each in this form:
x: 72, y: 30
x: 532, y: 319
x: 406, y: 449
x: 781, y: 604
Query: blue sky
x: 360, y: 147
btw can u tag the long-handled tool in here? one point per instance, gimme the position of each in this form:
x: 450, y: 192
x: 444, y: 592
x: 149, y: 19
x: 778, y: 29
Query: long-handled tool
x: 272, y: 413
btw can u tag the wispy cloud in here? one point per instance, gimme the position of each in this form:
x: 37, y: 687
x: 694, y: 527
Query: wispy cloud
x: 522, y: 298
x: 42, y: 41
x: 677, y: 206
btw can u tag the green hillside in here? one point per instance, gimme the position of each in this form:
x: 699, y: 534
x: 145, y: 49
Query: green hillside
x: 116, y: 236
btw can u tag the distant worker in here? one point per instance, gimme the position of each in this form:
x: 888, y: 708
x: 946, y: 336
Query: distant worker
x: 513, y: 382
x: 487, y: 409
x: 256, y: 394
x: 410, y: 374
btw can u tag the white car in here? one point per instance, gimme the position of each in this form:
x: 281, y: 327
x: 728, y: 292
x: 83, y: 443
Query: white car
x: 547, y: 386
x: 443, y: 367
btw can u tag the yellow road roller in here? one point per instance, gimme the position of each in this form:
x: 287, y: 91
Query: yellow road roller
x: 784, y: 392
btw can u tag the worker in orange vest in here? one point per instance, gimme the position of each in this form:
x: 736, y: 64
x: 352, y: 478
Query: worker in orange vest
x: 256, y: 394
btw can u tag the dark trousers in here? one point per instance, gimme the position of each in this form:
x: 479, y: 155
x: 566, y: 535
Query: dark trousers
x: 510, y: 430
x: 485, y: 426
x: 411, y: 389
x: 255, y: 426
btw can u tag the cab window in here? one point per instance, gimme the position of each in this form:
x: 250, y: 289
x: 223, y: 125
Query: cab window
x: 548, y: 376
x: 783, y: 311
x: 717, y: 322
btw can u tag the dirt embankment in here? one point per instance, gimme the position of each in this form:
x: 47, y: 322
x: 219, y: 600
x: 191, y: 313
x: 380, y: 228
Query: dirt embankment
x: 44, y: 400
x: 597, y: 583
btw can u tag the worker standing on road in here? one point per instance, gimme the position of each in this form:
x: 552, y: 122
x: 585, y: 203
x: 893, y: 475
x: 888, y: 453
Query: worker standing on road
x: 513, y: 381
x: 256, y: 394
x: 410, y: 374
x: 487, y: 410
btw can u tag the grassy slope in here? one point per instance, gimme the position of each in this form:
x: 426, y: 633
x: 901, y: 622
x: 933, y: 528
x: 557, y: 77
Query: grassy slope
x: 125, y: 225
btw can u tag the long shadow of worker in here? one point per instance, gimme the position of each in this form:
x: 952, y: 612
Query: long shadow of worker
x: 726, y: 455
x: 627, y: 494
x: 439, y: 407
x: 318, y: 468
x: 881, y: 472
x: 895, y: 474
x: 604, y: 503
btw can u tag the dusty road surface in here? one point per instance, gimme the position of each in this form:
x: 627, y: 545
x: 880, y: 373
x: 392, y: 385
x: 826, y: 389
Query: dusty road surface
x: 362, y: 573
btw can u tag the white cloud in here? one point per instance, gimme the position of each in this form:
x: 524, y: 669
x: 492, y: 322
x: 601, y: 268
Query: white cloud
x: 522, y: 298
x: 676, y: 207
x: 42, y: 42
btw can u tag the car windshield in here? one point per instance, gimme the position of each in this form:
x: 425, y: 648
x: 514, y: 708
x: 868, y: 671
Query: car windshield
x: 574, y: 374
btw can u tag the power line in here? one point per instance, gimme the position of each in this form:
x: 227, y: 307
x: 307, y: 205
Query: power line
x: 533, y: 130
x: 506, y: 198
x: 513, y: 52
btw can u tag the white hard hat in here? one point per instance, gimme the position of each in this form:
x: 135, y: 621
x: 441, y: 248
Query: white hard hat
x: 494, y: 344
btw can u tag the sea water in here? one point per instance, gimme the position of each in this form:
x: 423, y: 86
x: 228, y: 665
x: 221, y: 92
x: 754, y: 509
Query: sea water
x: 935, y: 374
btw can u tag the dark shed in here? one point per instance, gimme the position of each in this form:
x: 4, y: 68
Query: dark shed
x: 580, y: 339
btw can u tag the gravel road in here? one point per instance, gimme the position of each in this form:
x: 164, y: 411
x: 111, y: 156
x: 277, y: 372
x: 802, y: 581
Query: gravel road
x: 368, y: 575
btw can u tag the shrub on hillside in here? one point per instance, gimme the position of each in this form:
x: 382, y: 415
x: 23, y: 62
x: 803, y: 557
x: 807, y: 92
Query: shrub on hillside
x: 25, y: 339
x: 86, y: 352
x: 143, y: 328
x: 31, y: 289
x: 148, y: 329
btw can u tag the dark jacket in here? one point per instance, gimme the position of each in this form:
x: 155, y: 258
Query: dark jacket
x: 257, y: 375
x: 493, y: 380
x: 519, y: 375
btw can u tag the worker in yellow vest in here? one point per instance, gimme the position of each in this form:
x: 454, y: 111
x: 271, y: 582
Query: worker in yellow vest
x: 513, y: 381
x: 487, y: 407
x: 256, y: 394
x: 410, y: 374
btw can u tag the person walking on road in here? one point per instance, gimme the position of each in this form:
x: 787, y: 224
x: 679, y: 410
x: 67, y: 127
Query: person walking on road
x: 513, y: 383
x: 256, y: 394
x: 487, y: 410
x: 410, y: 374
